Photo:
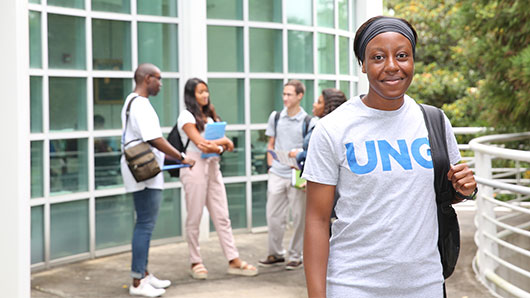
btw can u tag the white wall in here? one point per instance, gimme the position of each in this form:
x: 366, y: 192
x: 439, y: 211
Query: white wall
x: 14, y: 152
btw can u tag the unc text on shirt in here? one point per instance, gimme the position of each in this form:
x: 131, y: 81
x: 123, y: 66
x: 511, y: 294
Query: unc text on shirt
x: 402, y: 157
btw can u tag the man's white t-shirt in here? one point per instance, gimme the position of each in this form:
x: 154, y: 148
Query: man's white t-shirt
x: 384, y: 243
x: 187, y: 117
x: 143, y: 125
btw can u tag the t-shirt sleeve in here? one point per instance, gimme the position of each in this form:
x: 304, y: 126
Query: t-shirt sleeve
x: 146, y: 120
x: 270, y: 125
x: 184, y: 118
x: 321, y: 164
x: 452, y: 145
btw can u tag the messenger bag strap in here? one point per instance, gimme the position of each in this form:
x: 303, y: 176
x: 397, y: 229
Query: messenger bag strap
x: 127, y: 112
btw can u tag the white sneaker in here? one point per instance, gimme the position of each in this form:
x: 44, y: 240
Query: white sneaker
x: 157, y: 283
x: 145, y: 289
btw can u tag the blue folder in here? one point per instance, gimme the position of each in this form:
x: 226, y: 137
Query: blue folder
x: 177, y: 166
x: 214, y: 131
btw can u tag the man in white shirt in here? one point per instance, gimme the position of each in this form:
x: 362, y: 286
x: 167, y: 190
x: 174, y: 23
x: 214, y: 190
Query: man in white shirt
x: 142, y: 125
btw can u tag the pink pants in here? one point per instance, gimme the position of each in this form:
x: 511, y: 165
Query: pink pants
x: 204, y: 186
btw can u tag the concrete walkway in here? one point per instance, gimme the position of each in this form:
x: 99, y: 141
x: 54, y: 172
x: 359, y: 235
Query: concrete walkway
x: 109, y: 276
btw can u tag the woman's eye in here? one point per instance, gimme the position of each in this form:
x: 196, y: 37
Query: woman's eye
x: 378, y: 57
x: 402, y: 55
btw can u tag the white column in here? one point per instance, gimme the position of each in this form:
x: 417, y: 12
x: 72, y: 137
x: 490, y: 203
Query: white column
x: 14, y: 152
x: 365, y: 10
x: 194, y: 63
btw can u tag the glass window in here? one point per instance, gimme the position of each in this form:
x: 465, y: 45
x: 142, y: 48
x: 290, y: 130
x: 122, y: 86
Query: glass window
x: 37, y: 234
x: 265, y: 50
x: 66, y: 42
x: 107, y: 153
x: 225, y: 48
x: 67, y: 3
x: 111, y: 45
x: 166, y: 8
x: 354, y: 87
x: 112, y: 5
x: 300, y: 51
x: 265, y: 11
x: 265, y: 97
x: 35, y: 98
x: 258, y: 145
x: 343, y: 10
x: 34, y: 1
x: 299, y: 12
x: 116, y: 212
x: 168, y: 223
x: 344, y: 55
x: 68, y: 166
x: 68, y: 228
x: 237, y: 205
x: 233, y: 163
x: 166, y: 103
x: 228, y: 97
x: 67, y: 104
x: 344, y: 86
x: 326, y: 53
x: 109, y: 95
x: 37, y: 169
x: 35, y: 44
x: 224, y: 9
x: 158, y: 44
x: 325, y: 13
x: 259, y: 203
x: 309, y: 96
x: 324, y: 84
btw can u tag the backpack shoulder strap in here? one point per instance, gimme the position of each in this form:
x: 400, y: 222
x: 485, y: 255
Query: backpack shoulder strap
x: 276, y: 118
x: 305, y: 127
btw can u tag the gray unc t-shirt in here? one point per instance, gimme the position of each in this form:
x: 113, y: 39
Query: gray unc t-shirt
x: 384, y: 243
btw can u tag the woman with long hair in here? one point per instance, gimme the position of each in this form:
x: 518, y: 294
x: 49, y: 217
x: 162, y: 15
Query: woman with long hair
x: 204, y: 184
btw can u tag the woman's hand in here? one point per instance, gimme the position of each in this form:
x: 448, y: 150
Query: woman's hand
x: 227, y: 144
x: 293, y: 153
x: 208, y: 147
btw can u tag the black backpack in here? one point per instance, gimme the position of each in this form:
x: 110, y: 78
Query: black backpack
x: 305, y: 127
x: 174, y: 139
x: 448, y: 229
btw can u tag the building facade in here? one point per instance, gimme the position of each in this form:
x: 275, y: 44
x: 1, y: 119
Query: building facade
x: 82, y: 55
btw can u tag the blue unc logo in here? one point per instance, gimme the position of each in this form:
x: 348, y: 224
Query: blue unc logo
x: 402, y: 157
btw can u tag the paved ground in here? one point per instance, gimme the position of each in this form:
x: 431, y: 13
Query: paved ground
x: 109, y: 276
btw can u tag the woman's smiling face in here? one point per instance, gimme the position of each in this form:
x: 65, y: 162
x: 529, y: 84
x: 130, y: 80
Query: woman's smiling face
x: 202, y: 94
x: 389, y: 65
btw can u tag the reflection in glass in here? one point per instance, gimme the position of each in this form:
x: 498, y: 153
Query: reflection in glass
x: 67, y: 103
x: 66, y: 42
x: 68, y: 166
x: 233, y: 163
x: 300, y: 51
x: 168, y: 223
x: 344, y: 86
x: 166, y: 8
x: 109, y: 95
x: 158, y: 44
x: 111, y: 44
x: 326, y: 53
x: 258, y: 145
x: 35, y: 99
x: 344, y: 55
x: 35, y: 44
x: 299, y: 12
x: 116, y: 212
x: 265, y: 50
x: 259, y: 202
x: 228, y: 97
x: 343, y: 14
x: 237, y: 205
x: 265, y: 11
x: 107, y: 153
x: 68, y: 228
x: 225, y: 48
x: 67, y: 3
x: 224, y: 9
x: 265, y: 97
x: 37, y: 234
x: 324, y: 84
x: 325, y: 13
x: 37, y: 169
x: 166, y: 103
x: 112, y: 6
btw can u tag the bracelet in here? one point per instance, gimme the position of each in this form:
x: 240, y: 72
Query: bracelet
x: 182, y: 156
x: 470, y: 197
x: 221, y: 149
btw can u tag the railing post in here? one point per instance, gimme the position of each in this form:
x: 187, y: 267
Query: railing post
x: 485, y: 208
